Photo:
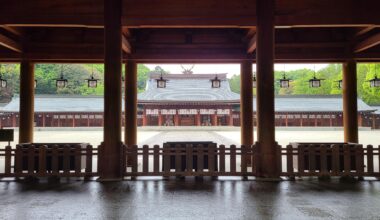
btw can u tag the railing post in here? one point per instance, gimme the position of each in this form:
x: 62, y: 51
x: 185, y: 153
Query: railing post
x: 42, y: 160
x: 156, y: 159
x: 89, y: 154
x: 66, y: 159
x: 289, y: 161
x: 166, y: 156
x: 31, y: 155
x: 19, y: 155
x: 134, y: 157
x: 211, y: 159
x: 8, y: 159
x: 347, y: 159
x: 78, y: 159
x: 335, y: 160
x: 243, y: 158
x: 279, y: 159
x: 178, y: 158
x: 233, y: 158
x: 222, y: 159
x: 189, y: 158
x: 359, y: 158
x: 370, y: 160
x: 323, y: 158
x: 301, y: 159
x: 145, y: 159
x: 55, y: 158
x: 200, y: 157
x: 312, y: 158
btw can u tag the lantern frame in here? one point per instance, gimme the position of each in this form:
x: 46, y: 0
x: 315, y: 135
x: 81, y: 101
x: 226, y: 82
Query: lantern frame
x: 216, y: 82
x: 161, y: 82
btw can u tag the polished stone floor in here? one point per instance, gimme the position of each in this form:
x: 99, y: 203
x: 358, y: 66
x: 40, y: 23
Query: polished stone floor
x: 190, y: 199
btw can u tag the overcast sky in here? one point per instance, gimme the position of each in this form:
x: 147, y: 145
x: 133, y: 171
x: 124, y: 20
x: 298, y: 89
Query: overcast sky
x: 231, y: 69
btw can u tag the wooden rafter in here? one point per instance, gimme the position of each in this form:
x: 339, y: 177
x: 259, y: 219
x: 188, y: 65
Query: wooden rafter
x: 126, y: 45
x: 10, y: 43
x: 368, y: 43
x: 364, y: 30
x: 14, y: 30
x: 252, y: 45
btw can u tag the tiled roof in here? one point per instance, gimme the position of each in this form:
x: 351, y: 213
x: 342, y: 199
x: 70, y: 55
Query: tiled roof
x: 378, y: 109
x: 314, y: 104
x: 192, y: 87
x: 49, y: 103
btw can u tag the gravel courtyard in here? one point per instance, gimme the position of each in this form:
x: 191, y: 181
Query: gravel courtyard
x: 220, y: 135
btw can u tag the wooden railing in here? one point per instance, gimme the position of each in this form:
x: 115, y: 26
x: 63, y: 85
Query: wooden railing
x: 74, y: 160
x: 199, y: 160
x: 330, y: 160
x: 44, y: 160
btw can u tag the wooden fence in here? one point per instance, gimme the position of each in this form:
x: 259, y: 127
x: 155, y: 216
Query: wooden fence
x: 189, y: 160
x: 330, y: 160
x: 44, y: 160
x: 75, y: 160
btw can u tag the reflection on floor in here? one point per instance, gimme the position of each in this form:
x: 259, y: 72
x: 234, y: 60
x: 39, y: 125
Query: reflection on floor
x: 190, y: 199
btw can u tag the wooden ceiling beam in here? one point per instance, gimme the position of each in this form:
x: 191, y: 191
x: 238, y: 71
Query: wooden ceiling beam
x: 14, y: 30
x: 10, y: 43
x: 179, y: 13
x: 252, y: 44
x: 368, y: 43
x: 364, y: 30
x: 126, y: 45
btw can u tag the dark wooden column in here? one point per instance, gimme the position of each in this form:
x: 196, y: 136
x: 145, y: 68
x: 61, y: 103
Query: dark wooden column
x: 350, y: 102
x: 265, y: 88
x: 110, y: 157
x: 130, y: 134
x: 26, y: 102
x: 246, y: 103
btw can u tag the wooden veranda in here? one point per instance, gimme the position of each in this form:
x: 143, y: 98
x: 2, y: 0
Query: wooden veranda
x: 129, y: 32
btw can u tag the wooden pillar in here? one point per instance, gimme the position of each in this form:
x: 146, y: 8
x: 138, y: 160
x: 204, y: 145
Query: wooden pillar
x: 198, y: 119
x: 286, y: 120
x: 215, y: 119
x: 130, y: 134
x: 350, y: 102
x: 265, y: 89
x: 176, y: 119
x: 246, y: 103
x: 26, y: 102
x: 231, y: 118
x: 331, y: 122
x: 110, y: 162
x: 144, y: 119
x: 373, y: 121
x: 159, y: 118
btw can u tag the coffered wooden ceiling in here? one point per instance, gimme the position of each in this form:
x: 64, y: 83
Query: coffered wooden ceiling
x: 189, y: 31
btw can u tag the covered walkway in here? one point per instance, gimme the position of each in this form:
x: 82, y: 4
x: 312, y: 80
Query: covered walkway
x: 128, y: 32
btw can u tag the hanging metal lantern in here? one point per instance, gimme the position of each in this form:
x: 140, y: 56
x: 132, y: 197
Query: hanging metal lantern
x: 315, y: 82
x: 254, y: 81
x: 375, y: 82
x: 285, y: 82
x: 215, y: 83
x: 161, y: 82
x: 340, y: 83
x: 61, y: 82
x: 3, y: 82
x: 92, y: 82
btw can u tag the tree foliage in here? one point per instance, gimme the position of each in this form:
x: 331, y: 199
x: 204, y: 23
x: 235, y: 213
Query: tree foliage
x: 76, y: 74
x: 332, y: 74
